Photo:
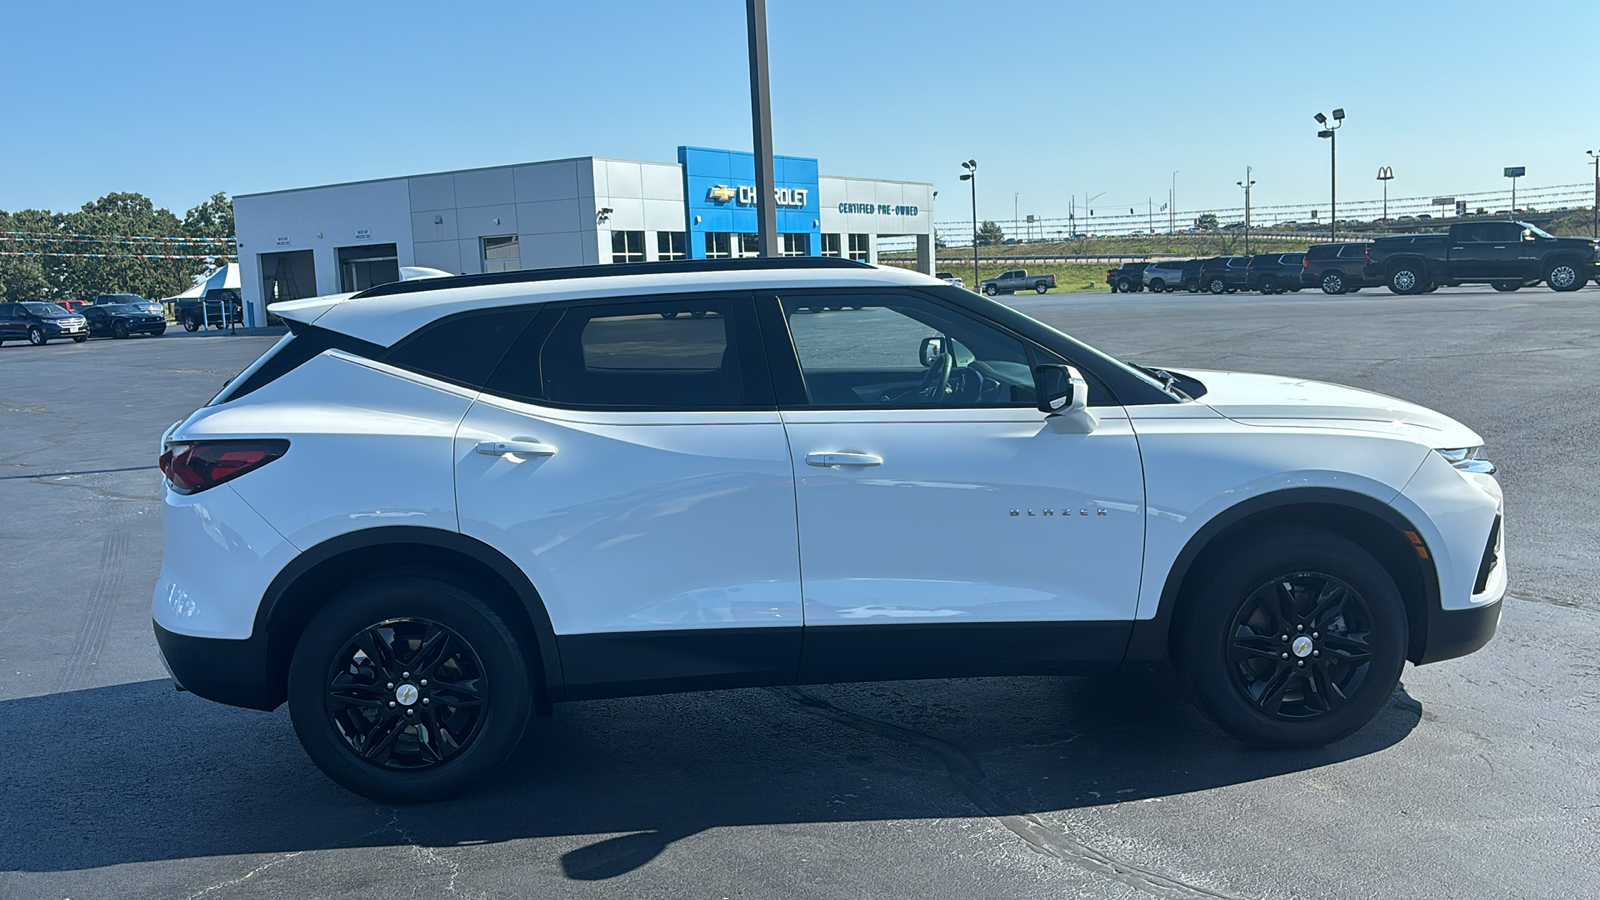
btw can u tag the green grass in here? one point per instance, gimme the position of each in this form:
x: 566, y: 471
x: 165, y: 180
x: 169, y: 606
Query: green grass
x: 1069, y: 276
x: 1188, y: 245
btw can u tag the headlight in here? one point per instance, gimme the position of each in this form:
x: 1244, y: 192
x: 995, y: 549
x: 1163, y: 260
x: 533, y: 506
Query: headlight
x: 1467, y: 459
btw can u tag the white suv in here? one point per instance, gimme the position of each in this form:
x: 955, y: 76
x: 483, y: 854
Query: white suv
x: 441, y: 505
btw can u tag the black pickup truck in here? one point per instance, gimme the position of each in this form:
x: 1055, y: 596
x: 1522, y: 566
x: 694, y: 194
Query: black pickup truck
x: 216, y: 309
x: 1507, y: 255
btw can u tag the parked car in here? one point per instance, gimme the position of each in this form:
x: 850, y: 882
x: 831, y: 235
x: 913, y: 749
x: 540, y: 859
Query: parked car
x: 218, y: 308
x: 1166, y: 275
x: 72, y: 306
x: 1336, y: 268
x: 572, y: 529
x: 149, y: 307
x: 1507, y: 255
x: 1017, y: 280
x: 120, y: 320
x: 1274, y: 273
x: 948, y: 278
x: 1127, y: 278
x: 1224, y: 274
x: 39, y: 323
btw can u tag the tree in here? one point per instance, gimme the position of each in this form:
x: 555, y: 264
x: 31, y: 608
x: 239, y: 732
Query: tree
x: 1206, y: 222
x: 989, y: 233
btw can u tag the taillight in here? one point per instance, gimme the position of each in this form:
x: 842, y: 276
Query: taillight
x: 194, y: 467
x: 1305, y: 262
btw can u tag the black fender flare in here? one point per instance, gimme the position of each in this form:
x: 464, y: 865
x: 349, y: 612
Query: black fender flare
x: 1149, y: 643
x: 538, y: 618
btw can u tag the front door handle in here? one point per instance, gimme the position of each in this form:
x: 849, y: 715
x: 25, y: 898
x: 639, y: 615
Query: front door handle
x: 843, y: 458
x: 518, y: 448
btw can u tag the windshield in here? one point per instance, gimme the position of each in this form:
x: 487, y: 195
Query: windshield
x: 120, y: 298
x: 44, y: 309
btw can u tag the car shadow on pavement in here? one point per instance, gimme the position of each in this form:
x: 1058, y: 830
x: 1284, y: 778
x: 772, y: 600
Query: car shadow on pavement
x: 137, y: 772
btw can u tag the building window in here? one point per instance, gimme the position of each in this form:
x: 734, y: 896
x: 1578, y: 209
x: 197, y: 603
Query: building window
x: 718, y: 244
x: 501, y: 254
x: 627, y: 246
x: 797, y: 244
x: 830, y: 245
x: 671, y: 245
x: 859, y: 244
x: 749, y: 245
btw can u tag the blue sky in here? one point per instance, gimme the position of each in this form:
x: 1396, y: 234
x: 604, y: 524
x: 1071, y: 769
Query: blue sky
x: 1053, y: 98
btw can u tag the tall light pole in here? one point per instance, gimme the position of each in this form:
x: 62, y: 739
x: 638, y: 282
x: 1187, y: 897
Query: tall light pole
x: 1385, y: 175
x: 1333, y: 168
x: 761, y: 127
x: 1172, y: 206
x: 1246, y: 183
x: 971, y: 175
x: 1088, y: 221
x: 1595, y: 157
x: 1016, y: 198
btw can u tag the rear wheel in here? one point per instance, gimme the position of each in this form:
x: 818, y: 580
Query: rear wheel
x: 1192, y: 286
x: 1040, y: 288
x: 1407, y: 278
x: 408, y: 689
x: 1564, y: 276
x: 190, y: 323
x: 1124, y: 285
x: 1217, y: 286
x: 1269, y: 285
x: 1297, y: 641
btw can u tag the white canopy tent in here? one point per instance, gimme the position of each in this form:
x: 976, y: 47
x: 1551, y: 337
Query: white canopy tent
x: 225, y: 278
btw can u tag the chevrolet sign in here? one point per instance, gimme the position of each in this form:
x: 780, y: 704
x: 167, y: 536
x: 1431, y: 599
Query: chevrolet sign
x: 720, y: 193
x: 746, y: 195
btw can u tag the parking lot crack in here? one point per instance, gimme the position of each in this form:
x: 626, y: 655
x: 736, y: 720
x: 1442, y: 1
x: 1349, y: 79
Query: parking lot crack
x: 967, y: 774
x: 232, y: 882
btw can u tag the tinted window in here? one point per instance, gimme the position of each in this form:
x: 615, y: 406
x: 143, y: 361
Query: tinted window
x: 890, y: 354
x: 1470, y: 231
x: 671, y: 354
x: 1323, y: 251
x: 1353, y: 251
x: 1291, y: 259
x: 1501, y: 232
x: 462, y: 349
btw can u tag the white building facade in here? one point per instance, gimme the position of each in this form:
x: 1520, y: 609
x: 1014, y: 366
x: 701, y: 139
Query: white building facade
x: 569, y: 212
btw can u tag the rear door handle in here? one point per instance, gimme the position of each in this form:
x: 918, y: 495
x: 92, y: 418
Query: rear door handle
x: 515, y: 448
x: 843, y: 459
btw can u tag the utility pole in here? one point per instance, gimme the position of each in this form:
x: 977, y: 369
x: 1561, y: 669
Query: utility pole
x: 1595, y: 158
x: 971, y: 175
x: 1015, y: 216
x: 761, y: 128
x: 1246, y: 183
x: 1172, y: 206
x: 1150, y: 214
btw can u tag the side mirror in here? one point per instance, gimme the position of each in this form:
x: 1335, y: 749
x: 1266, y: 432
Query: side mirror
x: 1063, y: 396
x: 932, y: 348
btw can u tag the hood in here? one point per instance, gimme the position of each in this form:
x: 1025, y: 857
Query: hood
x: 1280, y: 400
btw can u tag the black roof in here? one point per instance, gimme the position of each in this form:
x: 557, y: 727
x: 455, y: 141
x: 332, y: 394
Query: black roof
x: 754, y: 264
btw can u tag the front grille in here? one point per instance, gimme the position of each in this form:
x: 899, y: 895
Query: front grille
x: 1491, y: 558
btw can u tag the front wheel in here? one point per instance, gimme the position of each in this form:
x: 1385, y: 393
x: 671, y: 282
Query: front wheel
x: 119, y: 330
x: 1158, y: 286
x: 36, y: 336
x: 1564, y: 276
x: 1297, y: 640
x: 78, y: 339
x: 408, y: 689
x: 990, y: 289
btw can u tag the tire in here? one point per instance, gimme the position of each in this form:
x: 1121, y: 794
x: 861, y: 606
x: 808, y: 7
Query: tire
x: 1564, y: 275
x: 78, y: 339
x: 1041, y: 288
x: 408, y: 609
x: 1429, y: 289
x: 159, y: 331
x: 1216, y: 286
x: 190, y: 323
x: 119, y: 330
x: 1333, y: 283
x: 1238, y: 646
x: 1354, y: 290
x: 665, y: 315
x: 990, y: 289
x: 1192, y: 286
x: 36, y: 336
x: 1158, y: 286
x: 1269, y: 285
x: 1507, y: 285
x: 1124, y: 285
x: 1407, y: 278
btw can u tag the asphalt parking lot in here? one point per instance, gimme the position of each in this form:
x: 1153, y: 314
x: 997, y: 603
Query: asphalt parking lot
x: 1480, y: 779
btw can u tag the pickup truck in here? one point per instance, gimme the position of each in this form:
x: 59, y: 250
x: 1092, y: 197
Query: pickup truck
x: 1507, y: 255
x: 214, y: 310
x: 1017, y: 280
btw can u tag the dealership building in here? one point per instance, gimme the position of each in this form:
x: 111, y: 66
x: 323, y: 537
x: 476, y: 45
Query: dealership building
x: 568, y: 212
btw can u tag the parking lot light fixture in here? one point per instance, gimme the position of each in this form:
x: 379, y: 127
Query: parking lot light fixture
x: 1333, y: 168
x: 1246, y: 184
x: 971, y: 175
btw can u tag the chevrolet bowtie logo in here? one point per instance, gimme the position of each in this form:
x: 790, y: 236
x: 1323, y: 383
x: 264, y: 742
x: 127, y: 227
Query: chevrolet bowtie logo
x: 721, y: 193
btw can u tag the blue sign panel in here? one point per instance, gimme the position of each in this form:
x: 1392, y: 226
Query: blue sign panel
x: 719, y: 190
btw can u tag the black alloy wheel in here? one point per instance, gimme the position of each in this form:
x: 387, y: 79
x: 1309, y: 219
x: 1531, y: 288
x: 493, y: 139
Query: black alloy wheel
x: 36, y: 336
x: 1298, y: 640
x: 1218, y: 286
x: 408, y: 689
x: 1269, y: 285
x: 119, y: 329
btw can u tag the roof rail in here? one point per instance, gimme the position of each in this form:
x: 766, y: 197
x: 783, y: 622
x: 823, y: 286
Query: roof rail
x: 754, y: 264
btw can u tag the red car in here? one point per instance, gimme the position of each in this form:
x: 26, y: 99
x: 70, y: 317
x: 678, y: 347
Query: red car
x: 71, y: 305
